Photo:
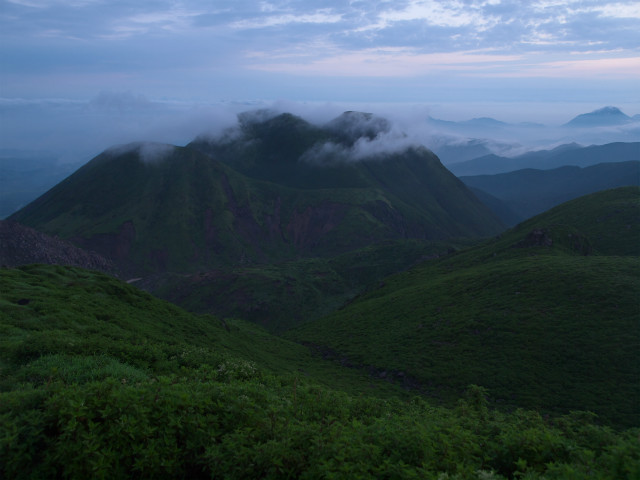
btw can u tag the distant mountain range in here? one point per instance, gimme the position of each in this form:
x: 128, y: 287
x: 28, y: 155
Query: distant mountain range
x: 521, y: 194
x: 24, y: 175
x: 568, y: 154
x: 481, y: 122
x: 606, y: 116
x: 461, y: 141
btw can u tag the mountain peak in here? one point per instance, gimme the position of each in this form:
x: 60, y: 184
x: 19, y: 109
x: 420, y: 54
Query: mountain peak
x: 608, y: 111
x: 601, y: 117
x: 352, y: 125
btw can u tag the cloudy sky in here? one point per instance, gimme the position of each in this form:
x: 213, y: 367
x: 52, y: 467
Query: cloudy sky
x: 429, y: 52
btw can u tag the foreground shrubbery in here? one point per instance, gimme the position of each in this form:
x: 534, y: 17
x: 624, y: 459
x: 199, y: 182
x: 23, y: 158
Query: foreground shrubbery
x: 231, y: 421
x: 99, y: 380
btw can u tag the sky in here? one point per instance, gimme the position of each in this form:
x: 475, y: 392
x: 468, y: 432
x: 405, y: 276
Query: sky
x: 129, y: 67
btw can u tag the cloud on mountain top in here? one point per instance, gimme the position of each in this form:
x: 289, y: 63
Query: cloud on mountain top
x: 359, y: 136
x: 148, y: 152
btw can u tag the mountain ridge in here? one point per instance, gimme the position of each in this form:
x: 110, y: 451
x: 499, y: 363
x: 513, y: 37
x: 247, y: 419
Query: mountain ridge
x: 563, y: 155
x: 529, y: 191
x: 153, y: 207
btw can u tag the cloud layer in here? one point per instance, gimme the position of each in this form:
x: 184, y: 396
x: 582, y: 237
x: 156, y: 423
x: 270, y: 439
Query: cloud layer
x: 77, y: 76
x: 259, y: 49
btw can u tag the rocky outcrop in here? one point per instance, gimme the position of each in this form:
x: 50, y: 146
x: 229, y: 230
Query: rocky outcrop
x: 308, y: 227
x: 20, y: 245
x: 537, y: 237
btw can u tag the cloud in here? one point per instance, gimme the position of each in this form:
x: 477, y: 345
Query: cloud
x: 322, y: 16
x: 407, y: 50
x: 361, y: 136
x: 120, y: 101
x: 76, y: 131
x: 387, y: 62
x: 148, y: 152
x: 617, y: 10
x: 608, y: 67
x: 41, y: 4
x: 442, y: 14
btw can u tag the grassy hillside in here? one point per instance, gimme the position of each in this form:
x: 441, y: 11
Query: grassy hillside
x: 89, y: 323
x: 528, y: 315
x: 100, y: 380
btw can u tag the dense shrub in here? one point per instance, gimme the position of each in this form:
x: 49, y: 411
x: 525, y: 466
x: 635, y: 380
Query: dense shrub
x: 257, y: 426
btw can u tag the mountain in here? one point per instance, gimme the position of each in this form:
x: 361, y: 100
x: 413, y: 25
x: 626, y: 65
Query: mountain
x: 457, y: 151
x: 503, y: 210
x: 99, y: 379
x: 567, y: 154
x: 528, y: 192
x: 545, y: 316
x: 481, y: 123
x: 600, y: 118
x: 277, y: 189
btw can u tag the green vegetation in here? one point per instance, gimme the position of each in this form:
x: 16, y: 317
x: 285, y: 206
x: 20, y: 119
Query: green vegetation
x: 528, y: 315
x: 280, y: 296
x: 72, y: 313
x: 101, y: 380
x: 479, y: 363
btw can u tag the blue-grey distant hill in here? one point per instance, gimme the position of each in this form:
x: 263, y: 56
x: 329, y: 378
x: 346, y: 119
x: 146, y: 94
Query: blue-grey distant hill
x: 600, y: 118
x: 568, y: 154
x: 481, y: 122
x: 516, y: 196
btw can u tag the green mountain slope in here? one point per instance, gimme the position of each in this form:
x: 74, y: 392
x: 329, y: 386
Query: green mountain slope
x: 527, y: 315
x: 54, y: 315
x: 283, y: 295
x: 348, y: 153
x: 154, y: 208
x: 100, y: 380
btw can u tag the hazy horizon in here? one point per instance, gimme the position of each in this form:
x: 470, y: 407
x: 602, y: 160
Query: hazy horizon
x: 79, y: 76
x: 74, y: 131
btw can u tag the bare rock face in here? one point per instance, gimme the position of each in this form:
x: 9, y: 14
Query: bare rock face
x: 20, y: 245
x: 537, y: 237
x: 541, y: 237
